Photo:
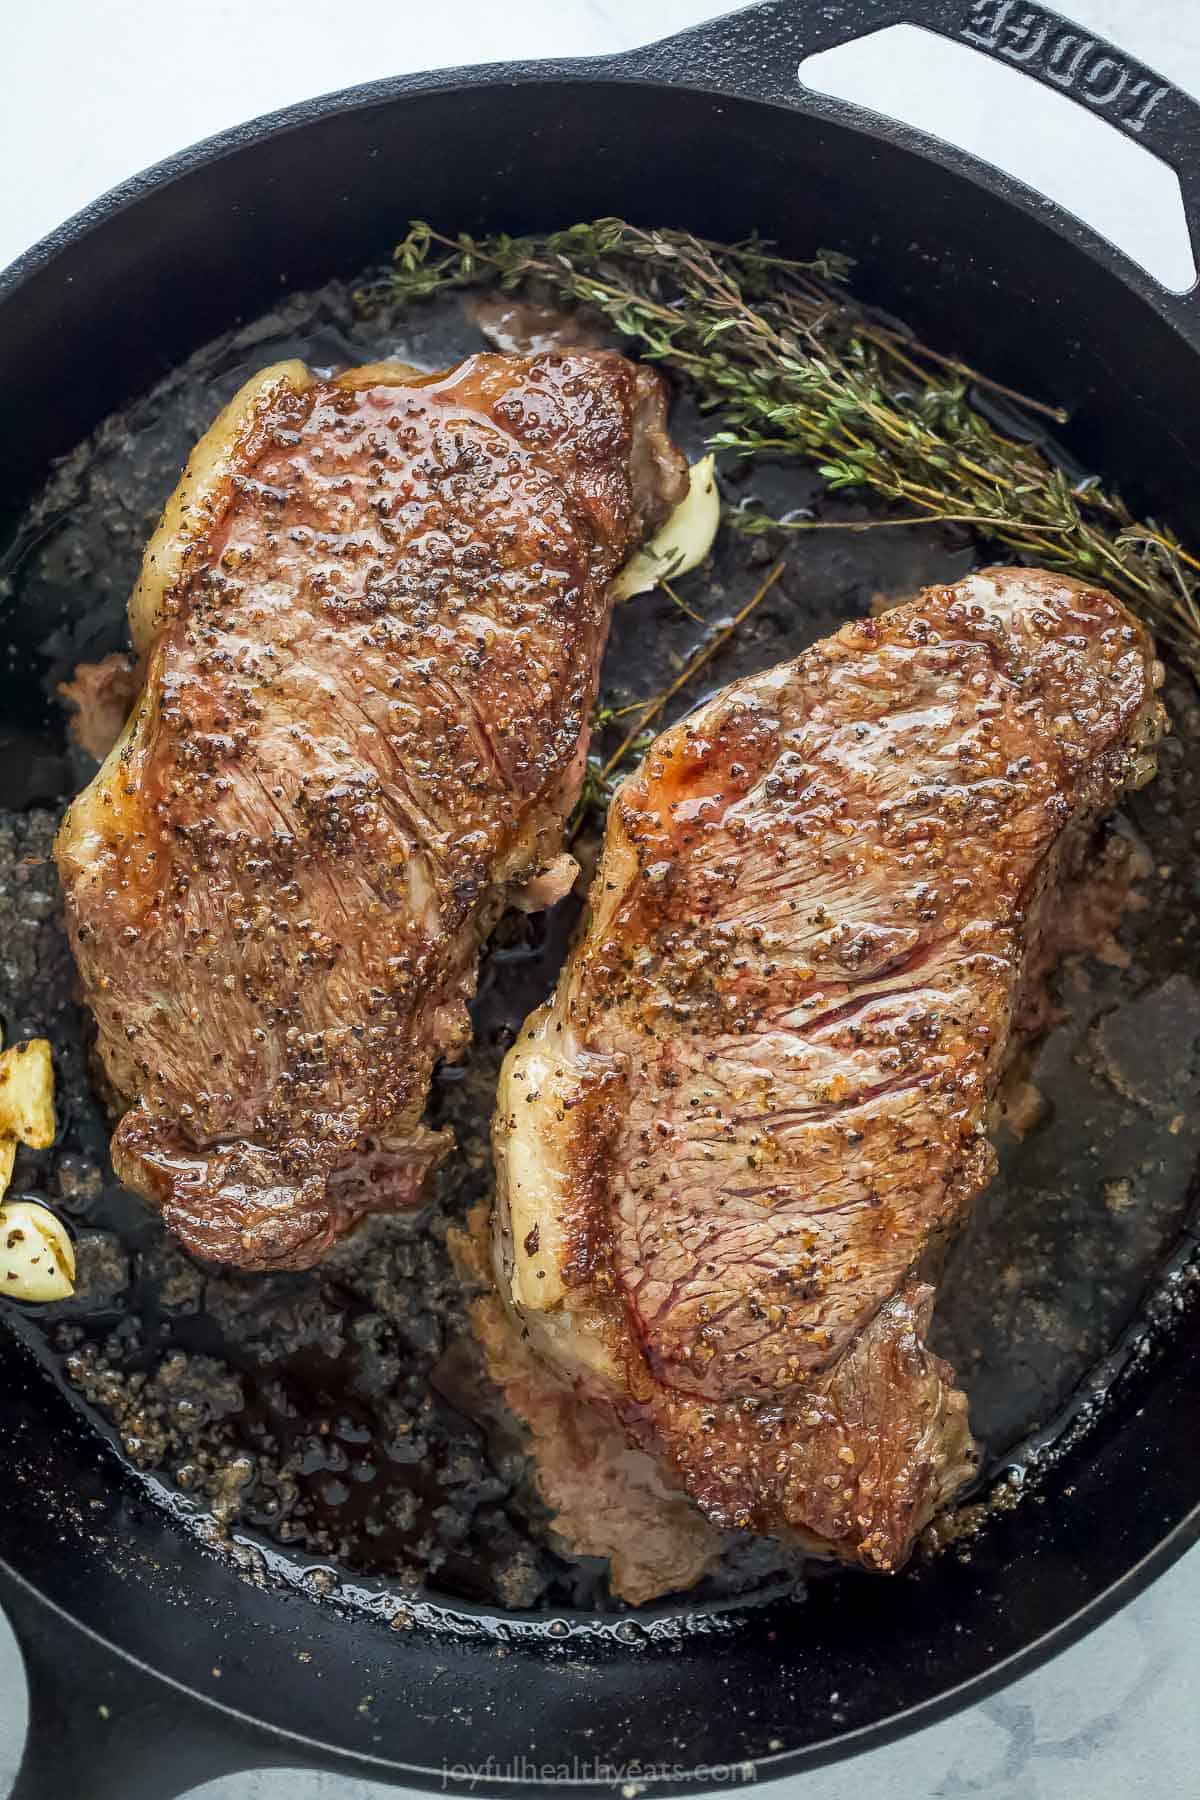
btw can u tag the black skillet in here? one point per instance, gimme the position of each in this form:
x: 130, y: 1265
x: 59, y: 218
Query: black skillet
x: 153, y: 1665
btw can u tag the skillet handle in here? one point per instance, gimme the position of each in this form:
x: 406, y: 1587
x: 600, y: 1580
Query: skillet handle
x: 756, y: 55
x: 102, y: 1727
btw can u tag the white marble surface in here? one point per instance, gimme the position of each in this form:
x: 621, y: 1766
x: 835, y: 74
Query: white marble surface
x: 97, y: 89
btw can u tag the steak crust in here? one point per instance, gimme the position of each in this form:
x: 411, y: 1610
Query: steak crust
x: 371, y: 618
x: 730, y: 1148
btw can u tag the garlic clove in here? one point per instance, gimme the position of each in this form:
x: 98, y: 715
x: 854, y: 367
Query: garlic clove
x: 27, y: 1093
x: 37, y: 1257
x: 682, y: 542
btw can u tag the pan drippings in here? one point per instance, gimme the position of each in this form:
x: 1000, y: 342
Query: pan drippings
x: 343, y: 1413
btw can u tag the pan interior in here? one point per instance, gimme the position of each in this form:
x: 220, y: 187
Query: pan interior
x: 342, y: 1415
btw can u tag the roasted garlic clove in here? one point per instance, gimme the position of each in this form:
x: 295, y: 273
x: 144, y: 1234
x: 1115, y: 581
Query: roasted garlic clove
x: 37, y: 1258
x: 27, y: 1095
x: 37, y: 1261
x: 682, y: 543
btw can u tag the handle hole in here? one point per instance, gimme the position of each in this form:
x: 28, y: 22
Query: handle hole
x: 1043, y: 138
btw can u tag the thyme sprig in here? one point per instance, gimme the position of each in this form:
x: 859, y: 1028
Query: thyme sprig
x: 792, y: 365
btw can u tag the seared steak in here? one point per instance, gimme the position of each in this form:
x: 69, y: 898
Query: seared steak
x: 372, y: 617
x: 730, y: 1147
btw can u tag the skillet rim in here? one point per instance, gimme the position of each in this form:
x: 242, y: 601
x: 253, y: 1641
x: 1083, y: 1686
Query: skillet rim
x: 861, y: 1740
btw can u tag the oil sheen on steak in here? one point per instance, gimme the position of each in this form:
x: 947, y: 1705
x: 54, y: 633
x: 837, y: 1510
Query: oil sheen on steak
x: 730, y: 1146
x: 372, y: 617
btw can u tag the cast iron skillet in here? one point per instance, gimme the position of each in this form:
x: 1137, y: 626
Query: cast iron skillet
x: 152, y: 1664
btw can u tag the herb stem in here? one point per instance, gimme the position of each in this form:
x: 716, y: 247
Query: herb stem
x: 703, y: 655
